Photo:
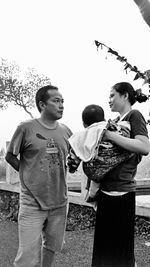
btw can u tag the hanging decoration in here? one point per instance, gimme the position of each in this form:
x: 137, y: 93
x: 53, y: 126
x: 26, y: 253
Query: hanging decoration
x: 127, y: 66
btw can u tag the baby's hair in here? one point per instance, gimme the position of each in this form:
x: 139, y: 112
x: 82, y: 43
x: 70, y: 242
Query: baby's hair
x: 92, y: 113
x: 134, y: 95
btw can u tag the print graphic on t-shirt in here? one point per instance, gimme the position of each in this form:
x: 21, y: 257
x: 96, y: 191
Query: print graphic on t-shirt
x: 52, y: 154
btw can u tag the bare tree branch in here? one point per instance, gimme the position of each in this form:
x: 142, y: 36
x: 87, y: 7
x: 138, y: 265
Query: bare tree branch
x: 18, y: 86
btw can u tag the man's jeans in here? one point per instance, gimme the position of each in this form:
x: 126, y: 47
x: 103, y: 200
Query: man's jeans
x: 34, y: 224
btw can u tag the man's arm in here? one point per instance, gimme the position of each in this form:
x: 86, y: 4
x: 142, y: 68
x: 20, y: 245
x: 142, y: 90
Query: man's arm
x: 144, y: 7
x: 12, y: 160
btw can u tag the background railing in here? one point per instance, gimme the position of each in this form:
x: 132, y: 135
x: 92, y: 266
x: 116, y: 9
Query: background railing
x: 77, y: 183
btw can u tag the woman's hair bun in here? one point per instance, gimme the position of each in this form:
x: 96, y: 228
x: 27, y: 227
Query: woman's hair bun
x: 139, y: 96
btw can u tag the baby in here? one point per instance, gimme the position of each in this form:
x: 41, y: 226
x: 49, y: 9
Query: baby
x: 98, y: 156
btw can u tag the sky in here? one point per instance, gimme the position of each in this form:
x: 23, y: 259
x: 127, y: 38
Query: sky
x: 57, y: 38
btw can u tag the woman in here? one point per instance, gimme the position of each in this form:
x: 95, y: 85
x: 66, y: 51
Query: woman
x: 114, y: 230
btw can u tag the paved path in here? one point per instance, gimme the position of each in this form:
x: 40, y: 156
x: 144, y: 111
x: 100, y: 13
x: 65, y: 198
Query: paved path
x: 143, y: 205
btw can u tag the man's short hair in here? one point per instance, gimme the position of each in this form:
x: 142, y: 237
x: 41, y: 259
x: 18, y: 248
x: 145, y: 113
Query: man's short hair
x: 92, y: 113
x: 42, y: 95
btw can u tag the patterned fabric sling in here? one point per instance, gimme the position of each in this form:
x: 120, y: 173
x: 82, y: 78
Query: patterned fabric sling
x: 107, y: 156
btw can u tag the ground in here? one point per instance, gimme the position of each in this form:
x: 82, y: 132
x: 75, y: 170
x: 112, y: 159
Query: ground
x: 77, y: 251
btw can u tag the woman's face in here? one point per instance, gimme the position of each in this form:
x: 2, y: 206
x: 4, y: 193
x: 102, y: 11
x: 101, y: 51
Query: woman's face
x: 116, y: 101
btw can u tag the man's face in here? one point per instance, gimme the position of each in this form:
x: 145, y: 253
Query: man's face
x: 53, y: 108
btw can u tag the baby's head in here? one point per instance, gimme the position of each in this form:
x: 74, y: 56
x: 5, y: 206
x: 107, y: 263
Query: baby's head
x: 91, y: 114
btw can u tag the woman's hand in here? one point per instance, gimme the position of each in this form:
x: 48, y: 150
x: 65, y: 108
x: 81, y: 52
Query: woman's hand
x: 107, y: 136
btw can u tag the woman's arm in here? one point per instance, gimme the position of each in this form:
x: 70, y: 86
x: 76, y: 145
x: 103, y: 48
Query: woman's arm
x: 140, y: 144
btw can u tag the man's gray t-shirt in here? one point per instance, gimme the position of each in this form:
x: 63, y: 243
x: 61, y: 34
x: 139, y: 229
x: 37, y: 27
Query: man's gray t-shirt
x: 42, y: 170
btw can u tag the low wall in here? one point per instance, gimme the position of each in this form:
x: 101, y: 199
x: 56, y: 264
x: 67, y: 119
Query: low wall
x: 9, y: 205
x: 80, y: 217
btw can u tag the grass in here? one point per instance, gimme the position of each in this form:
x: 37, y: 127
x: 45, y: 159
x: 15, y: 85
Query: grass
x: 77, y: 251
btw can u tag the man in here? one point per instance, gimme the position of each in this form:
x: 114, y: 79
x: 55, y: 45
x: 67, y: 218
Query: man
x: 42, y: 146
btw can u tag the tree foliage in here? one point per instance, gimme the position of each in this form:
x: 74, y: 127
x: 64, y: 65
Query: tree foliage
x: 19, y: 86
